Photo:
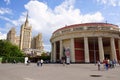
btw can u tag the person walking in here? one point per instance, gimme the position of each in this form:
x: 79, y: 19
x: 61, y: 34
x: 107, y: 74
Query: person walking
x: 63, y: 61
x: 26, y: 61
x: 98, y: 63
x: 38, y: 62
x: 41, y: 61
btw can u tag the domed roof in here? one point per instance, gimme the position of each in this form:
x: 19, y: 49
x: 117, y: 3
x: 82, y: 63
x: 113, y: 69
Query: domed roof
x: 88, y: 24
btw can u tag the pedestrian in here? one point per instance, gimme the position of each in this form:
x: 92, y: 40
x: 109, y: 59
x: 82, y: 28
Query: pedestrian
x: 115, y: 62
x: 98, y: 63
x: 26, y: 60
x: 41, y: 61
x: 111, y: 64
x: 106, y: 64
x: 14, y: 61
x: 63, y: 61
x: 38, y: 62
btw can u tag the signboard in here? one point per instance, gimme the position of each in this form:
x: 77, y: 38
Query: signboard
x: 67, y: 52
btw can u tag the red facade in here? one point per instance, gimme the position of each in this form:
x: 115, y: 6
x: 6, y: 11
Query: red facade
x: 79, y: 50
x: 93, y: 50
x: 117, y: 49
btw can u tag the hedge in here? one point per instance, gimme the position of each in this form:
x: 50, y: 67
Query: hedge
x: 12, y: 59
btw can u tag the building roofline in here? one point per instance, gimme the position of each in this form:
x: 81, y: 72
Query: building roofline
x: 86, y: 24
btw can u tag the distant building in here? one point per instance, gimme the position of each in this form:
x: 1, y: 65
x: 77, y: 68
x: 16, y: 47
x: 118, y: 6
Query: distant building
x: 25, y: 35
x: 11, y: 36
x: 37, y: 42
x: 25, y: 41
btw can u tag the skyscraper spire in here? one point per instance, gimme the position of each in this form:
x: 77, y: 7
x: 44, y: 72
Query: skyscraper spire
x: 26, y: 22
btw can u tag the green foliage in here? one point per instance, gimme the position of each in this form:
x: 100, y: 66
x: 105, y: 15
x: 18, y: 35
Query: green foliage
x: 12, y: 59
x: 10, y: 52
x: 44, y: 56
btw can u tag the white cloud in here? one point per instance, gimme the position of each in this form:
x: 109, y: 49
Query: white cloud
x: 5, y: 18
x: 5, y: 11
x: 7, y: 1
x: 92, y: 17
x: 119, y: 3
x: 45, y: 20
x: 2, y: 36
x: 113, y: 3
x: 13, y: 22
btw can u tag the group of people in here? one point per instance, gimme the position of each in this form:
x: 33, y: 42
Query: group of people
x: 27, y: 61
x: 40, y: 62
x: 65, y: 61
x: 107, y: 64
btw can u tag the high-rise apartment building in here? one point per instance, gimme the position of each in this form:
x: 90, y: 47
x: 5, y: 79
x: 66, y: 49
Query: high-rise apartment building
x: 12, y: 37
x: 25, y: 40
x: 37, y: 42
x: 25, y: 35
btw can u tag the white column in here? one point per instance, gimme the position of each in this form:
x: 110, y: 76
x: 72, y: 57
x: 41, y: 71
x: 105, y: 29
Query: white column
x: 113, y: 49
x: 101, y: 49
x: 61, y: 49
x: 86, y: 49
x: 72, y: 50
x: 54, y: 52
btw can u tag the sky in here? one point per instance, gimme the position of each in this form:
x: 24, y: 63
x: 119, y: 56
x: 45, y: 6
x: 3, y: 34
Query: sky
x: 46, y: 16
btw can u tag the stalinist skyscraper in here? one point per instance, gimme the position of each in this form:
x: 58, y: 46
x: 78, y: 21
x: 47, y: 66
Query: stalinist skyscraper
x: 29, y: 45
x: 25, y: 35
x: 11, y: 36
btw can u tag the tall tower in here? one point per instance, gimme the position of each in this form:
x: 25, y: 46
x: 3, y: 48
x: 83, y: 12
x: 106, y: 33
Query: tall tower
x: 11, y: 36
x: 25, y: 35
x: 37, y: 42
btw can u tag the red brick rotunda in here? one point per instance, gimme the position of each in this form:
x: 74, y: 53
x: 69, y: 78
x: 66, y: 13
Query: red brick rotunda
x: 87, y: 42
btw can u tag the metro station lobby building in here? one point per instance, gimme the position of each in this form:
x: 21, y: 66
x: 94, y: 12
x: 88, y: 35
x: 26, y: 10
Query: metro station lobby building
x: 87, y: 42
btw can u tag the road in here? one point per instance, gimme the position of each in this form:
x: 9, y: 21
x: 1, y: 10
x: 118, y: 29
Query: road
x: 57, y: 72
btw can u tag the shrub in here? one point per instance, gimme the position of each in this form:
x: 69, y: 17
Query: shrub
x: 12, y: 59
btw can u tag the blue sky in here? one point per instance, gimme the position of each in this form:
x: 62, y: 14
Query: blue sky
x: 46, y: 16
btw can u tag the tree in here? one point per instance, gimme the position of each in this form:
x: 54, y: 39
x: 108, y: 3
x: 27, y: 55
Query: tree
x: 7, y: 49
x: 45, y: 56
x: 10, y: 52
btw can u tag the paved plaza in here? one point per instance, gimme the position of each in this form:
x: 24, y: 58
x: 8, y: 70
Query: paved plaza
x: 57, y: 72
